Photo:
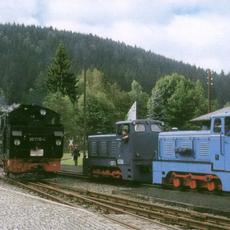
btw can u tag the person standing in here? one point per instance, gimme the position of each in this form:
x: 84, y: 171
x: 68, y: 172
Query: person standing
x: 75, y: 154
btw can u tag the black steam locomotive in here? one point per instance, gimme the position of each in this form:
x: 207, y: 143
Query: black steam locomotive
x: 31, y: 139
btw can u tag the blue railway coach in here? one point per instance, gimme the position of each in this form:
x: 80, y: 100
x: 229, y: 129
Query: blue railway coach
x: 197, y: 159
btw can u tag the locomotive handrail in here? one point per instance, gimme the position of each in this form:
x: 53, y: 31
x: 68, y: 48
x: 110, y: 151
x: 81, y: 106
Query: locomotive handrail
x: 221, y: 143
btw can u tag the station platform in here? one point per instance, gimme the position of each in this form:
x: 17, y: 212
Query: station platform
x: 22, y: 211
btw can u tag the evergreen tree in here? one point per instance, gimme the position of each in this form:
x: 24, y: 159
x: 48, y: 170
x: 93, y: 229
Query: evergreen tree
x: 60, y: 77
x: 26, y: 50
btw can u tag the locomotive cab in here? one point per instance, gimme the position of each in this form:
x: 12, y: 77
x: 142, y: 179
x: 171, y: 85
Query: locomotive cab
x: 137, y: 147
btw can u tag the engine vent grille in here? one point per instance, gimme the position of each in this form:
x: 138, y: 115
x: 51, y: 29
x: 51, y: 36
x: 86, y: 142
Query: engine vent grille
x: 93, y: 147
x: 203, y: 148
x: 103, y: 147
x: 113, y: 147
x: 169, y: 148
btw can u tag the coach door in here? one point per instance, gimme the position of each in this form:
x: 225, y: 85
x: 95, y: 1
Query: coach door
x: 227, y: 143
x: 217, y: 144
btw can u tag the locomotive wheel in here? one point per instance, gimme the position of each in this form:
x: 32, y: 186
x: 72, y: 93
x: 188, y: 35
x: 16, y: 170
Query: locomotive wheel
x: 193, y: 184
x: 211, y: 186
x: 176, y: 182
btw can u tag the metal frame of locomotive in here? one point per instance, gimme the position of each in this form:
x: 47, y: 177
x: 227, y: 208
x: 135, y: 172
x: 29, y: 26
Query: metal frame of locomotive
x: 130, y: 159
x: 197, y: 159
x: 31, y: 139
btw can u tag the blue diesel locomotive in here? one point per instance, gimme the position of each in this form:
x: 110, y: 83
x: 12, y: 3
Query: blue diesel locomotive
x: 196, y: 159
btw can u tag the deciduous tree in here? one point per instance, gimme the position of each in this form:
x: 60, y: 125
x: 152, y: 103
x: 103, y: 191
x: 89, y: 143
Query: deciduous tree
x: 137, y: 94
x: 175, y: 100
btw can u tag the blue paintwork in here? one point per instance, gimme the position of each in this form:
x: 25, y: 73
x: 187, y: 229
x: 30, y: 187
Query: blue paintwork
x: 204, y: 152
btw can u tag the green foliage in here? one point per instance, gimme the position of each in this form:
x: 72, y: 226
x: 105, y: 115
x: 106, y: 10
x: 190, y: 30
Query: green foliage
x: 227, y: 104
x: 60, y: 77
x: 63, y: 106
x: 137, y: 94
x: 26, y: 51
x: 99, y: 114
x: 176, y: 100
x: 118, y: 75
x: 39, y: 91
x: 120, y: 99
x: 100, y: 109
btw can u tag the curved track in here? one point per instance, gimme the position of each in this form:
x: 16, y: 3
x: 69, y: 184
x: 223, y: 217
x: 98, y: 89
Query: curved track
x: 116, y: 204
x: 65, y: 196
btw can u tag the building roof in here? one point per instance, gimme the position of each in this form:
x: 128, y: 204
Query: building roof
x: 206, y: 117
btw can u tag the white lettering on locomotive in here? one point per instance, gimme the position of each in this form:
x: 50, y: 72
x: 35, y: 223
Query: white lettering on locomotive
x: 37, y: 139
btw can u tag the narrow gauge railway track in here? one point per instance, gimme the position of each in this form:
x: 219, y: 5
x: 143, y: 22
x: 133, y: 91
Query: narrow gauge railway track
x: 62, y: 195
x: 72, y: 174
x: 137, y: 184
x: 116, y: 204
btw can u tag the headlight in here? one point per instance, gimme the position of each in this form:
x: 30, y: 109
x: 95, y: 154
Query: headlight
x: 43, y: 112
x: 17, y: 142
x: 58, y: 142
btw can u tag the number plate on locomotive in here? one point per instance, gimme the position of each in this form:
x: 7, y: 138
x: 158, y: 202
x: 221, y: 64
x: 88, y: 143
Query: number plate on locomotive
x: 36, y: 153
x: 120, y: 161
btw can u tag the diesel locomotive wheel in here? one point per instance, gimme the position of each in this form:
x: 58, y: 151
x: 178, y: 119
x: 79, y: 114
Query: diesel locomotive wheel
x: 211, y: 186
x: 176, y: 182
x: 193, y: 184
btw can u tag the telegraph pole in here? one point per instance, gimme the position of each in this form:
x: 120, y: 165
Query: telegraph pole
x: 210, y: 83
x: 84, y: 141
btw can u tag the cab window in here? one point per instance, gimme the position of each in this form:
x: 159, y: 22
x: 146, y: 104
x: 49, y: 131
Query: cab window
x: 121, y: 128
x: 227, y: 126
x: 217, y: 125
x: 155, y: 128
x: 139, y: 128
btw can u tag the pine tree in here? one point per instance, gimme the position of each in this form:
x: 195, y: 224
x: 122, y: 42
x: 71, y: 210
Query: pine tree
x: 60, y: 77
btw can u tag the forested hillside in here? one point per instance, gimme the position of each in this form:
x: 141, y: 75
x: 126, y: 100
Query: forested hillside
x: 26, y: 53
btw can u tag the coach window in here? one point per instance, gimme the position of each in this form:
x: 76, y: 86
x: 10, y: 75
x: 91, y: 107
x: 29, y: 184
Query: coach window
x: 217, y: 125
x: 139, y: 128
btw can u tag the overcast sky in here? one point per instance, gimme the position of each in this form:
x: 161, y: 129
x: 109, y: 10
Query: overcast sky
x: 195, y: 32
